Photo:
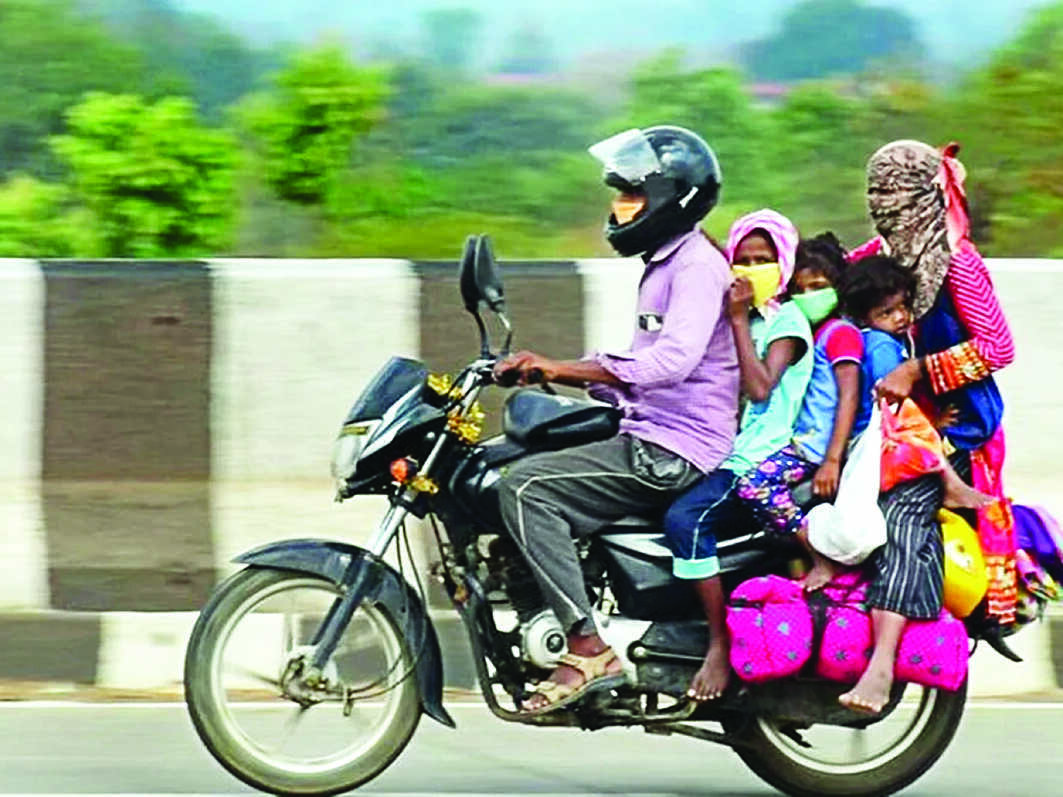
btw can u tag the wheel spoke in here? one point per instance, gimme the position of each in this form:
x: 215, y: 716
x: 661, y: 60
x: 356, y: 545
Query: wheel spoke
x: 290, y: 724
x: 251, y: 675
x: 251, y: 721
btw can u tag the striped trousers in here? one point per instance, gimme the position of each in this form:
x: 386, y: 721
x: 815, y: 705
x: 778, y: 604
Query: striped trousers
x: 908, y: 571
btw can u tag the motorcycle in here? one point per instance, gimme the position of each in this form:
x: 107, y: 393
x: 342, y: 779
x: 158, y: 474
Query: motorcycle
x: 307, y: 671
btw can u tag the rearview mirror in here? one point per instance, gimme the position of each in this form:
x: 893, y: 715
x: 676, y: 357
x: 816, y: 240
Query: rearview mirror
x: 488, y: 280
x: 478, y: 278
x: 470, y: 294
x: 480, y: 281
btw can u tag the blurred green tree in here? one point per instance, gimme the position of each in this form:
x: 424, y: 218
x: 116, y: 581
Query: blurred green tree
x: 306, y: 127
x: 39, y: 219
x: 50, y: 56
x: 187, y: 53
x: 822, y: 38
x: 825, y: 132
x: 1008, y: 116
x: 156, y: 181
x: 714, y: 104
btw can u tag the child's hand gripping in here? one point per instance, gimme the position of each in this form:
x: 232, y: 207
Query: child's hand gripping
x: 825, y: 482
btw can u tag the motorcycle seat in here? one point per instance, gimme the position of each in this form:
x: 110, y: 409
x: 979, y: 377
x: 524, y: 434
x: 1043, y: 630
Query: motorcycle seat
x: 545, y: 422
x: 802, y: 493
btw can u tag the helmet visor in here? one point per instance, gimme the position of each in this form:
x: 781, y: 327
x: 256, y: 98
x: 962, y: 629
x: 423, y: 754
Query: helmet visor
x: 627, y: 155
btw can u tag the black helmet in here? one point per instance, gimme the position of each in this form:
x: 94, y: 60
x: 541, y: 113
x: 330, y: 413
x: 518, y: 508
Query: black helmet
x: 674, y: 169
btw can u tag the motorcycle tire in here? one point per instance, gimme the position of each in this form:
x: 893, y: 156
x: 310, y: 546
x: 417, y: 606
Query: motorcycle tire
x: 240, y: 756
x: 791, y: 771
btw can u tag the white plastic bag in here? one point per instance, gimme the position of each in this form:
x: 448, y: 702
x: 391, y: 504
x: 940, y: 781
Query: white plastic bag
x: 851, y: 528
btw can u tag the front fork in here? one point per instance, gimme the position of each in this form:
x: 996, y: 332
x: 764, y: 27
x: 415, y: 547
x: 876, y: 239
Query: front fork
x: 353, y: 587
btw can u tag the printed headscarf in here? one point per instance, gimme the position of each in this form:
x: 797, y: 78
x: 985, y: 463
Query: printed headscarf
x: 780, y: 230
x: 916, y: 199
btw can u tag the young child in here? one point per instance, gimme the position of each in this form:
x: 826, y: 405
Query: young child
x: 773, y: 343
x: 877, y: 294
x: 825, y: 423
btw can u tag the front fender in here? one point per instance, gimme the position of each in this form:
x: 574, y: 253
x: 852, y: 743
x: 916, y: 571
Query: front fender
x: 339, y: 562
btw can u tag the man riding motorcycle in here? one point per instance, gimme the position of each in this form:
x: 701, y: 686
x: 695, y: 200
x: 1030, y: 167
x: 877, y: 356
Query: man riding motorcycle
x: 677, y: 386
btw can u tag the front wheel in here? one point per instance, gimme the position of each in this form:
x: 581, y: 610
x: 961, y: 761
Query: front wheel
x: 831, y: 761
x: 247, y: 703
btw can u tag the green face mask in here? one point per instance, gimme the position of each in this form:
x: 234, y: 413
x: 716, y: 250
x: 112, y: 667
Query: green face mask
x: 816, y: 305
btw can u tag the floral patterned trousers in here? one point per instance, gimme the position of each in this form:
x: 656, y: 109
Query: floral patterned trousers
x: 766, y: 489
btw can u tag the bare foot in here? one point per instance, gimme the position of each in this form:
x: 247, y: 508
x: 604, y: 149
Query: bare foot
x: 871, y: 692
x: 960, y: 495
x: 820, y: 575
x: 714, y: 675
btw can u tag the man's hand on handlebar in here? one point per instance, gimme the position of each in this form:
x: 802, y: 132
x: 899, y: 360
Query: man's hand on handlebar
x: 526, y: 368
x: 529, y: 368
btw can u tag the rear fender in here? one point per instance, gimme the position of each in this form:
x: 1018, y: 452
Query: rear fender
x: 340, y: 563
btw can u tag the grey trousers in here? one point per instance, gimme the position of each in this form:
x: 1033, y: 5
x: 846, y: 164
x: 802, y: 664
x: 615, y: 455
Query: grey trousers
x: 549, y: 499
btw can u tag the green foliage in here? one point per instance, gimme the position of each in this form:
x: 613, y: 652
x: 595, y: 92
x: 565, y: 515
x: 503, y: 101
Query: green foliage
x: 714, y: 104
x: 186, y: 53
x: 49, y: 58
x: 1008, y: 116
x: 820, y: 38
x: 156, y: 181
x: 458, y: 124
x: 39, y: 219
x: 339, y: 159
x: 307, y: 125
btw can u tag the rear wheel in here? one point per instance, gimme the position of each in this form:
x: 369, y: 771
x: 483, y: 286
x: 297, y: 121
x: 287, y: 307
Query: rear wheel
x: 255, y: 716
x: 832, y: 761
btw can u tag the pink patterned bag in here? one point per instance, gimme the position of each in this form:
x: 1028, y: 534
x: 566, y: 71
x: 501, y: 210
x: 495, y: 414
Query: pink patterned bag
x: 773, y: 631
x: 933, y: 653
x: 770, y: 627
x: 845, y: 646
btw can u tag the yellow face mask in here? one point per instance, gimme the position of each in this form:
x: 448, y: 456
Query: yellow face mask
x: 765, y: 279
x: 627, y: 206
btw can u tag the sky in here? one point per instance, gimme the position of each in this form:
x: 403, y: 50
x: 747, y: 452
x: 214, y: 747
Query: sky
x: 957, y: 31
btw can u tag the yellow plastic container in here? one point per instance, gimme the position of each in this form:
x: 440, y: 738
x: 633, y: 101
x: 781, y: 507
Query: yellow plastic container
x: 965, y: 576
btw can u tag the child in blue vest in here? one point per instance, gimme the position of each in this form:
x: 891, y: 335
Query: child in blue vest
x: 828, y: 413
x: 876, y: 293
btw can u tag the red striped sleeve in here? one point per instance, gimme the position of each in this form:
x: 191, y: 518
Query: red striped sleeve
x: 979, y: 310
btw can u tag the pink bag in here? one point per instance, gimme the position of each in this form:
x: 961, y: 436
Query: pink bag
x: 933, y: 653
x: 772, y: 635
x: 846, y: 644
x: 770, y: 627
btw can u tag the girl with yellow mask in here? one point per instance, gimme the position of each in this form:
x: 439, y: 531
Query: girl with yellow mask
x: 774, y: 346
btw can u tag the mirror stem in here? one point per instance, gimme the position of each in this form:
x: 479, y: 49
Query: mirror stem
x: 485, y: 343
x: 509, y: 334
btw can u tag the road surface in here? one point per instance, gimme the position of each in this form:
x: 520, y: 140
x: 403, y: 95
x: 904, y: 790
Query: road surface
x: 1001, y: 749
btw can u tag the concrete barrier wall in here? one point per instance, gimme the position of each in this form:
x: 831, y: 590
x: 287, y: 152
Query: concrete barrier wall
x: 161, y: 417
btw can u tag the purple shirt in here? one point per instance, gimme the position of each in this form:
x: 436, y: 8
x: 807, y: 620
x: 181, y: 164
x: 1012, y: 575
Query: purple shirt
x: 681, y: 373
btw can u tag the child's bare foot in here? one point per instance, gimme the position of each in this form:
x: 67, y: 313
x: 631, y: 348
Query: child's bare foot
x: 960, y: 495
x: 714, y: 675
x: 871, y: 692
x: 820, y: 575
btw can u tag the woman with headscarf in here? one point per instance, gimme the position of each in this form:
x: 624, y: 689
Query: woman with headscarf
x: 917, y: 203
x: 774, y: 344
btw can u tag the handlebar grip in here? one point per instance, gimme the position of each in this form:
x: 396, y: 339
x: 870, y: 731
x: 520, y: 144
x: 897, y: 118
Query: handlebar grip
x: 507, y: 378
x: 534, y: 376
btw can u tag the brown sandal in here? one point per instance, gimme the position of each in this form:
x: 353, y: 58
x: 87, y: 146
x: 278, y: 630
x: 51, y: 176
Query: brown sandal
x: 596, y: 677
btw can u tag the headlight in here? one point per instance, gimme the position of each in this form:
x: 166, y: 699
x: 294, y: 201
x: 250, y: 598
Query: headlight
x: 348, y: 448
